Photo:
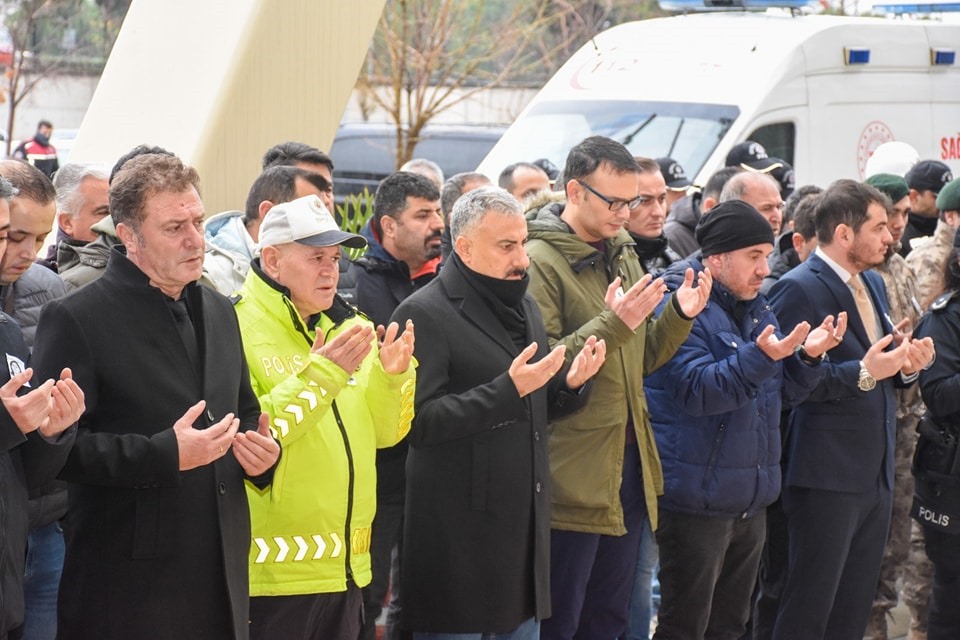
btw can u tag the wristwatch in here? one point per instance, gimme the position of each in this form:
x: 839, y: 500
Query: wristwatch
x: 865, y: 382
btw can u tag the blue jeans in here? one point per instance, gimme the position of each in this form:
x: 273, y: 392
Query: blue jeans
x: 641, y: 603
x: 42, y: 581
x: 528, y: 630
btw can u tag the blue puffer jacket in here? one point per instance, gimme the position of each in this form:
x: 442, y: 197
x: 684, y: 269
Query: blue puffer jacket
x: 715, y: 407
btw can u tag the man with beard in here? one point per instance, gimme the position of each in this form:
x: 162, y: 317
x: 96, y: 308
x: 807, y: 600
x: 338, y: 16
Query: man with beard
x: 476, y: 545
x: 403, y: 254
x: 715, y: 408
x: 901, y: 284
x: 839, y: 447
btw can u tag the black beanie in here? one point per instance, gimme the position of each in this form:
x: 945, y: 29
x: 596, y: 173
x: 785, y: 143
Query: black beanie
x: 732, y: 225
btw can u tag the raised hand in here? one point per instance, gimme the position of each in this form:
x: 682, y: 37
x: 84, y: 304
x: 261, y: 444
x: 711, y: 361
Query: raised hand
x: 31, y: 409
x: 348, y: 348
x: 256, y: 451
x: 586, y: 364
x: 883, y: 364
x: 777, y: 349
x: 827, y: 336
x: 199, y: 447
x: 919, y: 355
x: 527, y: 377
x: 67, y: 405
x: 395, y: 352
x: 692, y: 299
x: 638, y: 302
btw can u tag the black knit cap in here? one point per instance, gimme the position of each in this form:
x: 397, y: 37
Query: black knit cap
x: 732, y: 225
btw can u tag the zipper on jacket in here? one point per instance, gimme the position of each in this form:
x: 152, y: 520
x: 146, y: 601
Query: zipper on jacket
x: 347, y: 538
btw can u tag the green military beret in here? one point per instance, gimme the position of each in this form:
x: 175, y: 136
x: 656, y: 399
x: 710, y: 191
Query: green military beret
x: 894, y: 186
x: 949, y: 198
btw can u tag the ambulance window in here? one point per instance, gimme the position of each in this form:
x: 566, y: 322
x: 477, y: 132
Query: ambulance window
x: 687, y: 132
x: 778, y: 139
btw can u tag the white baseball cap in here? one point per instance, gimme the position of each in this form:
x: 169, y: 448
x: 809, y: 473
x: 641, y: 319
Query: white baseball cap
x: 307, y: 221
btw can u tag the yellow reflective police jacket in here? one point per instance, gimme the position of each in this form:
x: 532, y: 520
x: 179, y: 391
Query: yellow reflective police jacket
x: 311, y: 527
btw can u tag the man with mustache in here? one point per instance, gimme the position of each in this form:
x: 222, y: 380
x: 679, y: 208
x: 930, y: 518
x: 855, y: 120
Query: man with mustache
x: 403, y: 254
x: 715, y: 408
x: 476, y: 548
x: 839, y: 446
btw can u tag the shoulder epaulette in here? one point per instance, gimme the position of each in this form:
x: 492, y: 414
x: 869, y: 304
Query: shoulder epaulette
x: 941, y: 303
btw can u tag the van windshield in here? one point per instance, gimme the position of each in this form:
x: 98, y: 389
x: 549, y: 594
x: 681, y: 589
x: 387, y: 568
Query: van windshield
x: 686, y: 132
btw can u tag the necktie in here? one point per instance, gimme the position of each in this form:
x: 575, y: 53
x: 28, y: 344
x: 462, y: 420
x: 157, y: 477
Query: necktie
x: 865, y: 308
x: 185, y: 329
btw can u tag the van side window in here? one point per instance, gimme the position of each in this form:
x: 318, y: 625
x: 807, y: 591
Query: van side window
x: 779, y: 139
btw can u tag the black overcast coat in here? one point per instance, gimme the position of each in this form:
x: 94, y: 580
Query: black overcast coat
x: 476, y: 541
x: 152, y: 552
x: 26, y: 463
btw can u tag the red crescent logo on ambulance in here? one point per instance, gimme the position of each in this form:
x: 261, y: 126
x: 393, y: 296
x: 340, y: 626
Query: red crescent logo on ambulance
x: 874, y: 134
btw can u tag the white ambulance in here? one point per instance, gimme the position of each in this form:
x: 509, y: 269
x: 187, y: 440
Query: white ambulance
x: 821, y: 92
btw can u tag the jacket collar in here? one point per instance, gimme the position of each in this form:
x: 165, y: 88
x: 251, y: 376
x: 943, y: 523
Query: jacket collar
x: 545, y: 224
x: 843, y: 297
x: 475, y: 311
x: 275, y: 298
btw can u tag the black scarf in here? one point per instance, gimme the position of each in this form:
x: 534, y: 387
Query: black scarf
x: 504, y: 297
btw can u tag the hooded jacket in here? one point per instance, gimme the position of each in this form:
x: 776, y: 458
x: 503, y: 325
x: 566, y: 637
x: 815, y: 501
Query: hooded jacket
x: 90, y: 260
x: 229, y: 251
x: 569, y: 279
x: 311, y: 528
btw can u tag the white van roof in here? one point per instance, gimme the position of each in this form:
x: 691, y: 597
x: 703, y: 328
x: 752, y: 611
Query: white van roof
x: 742, y: 70
x: 748, y: 54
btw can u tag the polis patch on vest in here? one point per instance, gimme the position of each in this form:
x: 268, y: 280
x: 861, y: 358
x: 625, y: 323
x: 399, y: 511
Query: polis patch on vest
x: 934, y: 517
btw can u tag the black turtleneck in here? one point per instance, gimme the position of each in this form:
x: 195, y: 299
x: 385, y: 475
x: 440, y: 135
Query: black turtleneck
x: 504, y: 297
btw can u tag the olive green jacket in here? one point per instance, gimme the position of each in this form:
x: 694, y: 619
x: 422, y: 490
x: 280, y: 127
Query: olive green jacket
x: 568, y: 279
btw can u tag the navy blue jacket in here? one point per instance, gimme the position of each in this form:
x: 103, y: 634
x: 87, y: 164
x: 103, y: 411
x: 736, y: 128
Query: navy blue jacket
x: 716, y: 404
x: 841, y: 438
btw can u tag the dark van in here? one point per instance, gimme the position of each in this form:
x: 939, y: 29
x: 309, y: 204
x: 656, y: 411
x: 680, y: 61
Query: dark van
x: 364, y: 152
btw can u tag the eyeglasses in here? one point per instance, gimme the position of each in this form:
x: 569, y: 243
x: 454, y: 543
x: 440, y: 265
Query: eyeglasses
x: 614, y: 204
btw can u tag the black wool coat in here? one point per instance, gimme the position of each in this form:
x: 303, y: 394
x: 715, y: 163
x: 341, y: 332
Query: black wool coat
x: 26, y: 463
x: 152, y: 552
x: 476, y: 539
